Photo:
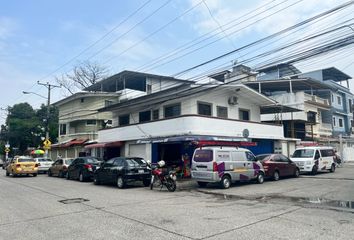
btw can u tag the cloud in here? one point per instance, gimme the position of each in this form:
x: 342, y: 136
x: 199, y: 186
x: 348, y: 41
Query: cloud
x: 7, y: 27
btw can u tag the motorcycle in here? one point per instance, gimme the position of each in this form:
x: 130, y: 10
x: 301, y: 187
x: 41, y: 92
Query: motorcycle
x: 162, y: 178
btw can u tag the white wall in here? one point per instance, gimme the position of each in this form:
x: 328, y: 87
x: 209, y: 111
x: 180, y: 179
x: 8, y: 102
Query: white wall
x: 191, y: 125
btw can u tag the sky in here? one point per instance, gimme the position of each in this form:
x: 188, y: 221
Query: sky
x: 41, y: 40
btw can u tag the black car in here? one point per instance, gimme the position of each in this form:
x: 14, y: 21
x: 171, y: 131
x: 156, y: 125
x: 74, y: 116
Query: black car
x: 121, y: 170
x: 82, y: 168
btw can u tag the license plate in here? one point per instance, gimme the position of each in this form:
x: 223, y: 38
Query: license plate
x: 140, y: 171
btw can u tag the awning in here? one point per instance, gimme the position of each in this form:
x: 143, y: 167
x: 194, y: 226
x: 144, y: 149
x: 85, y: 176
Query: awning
x: 105, y: 144
x: 70, y: 143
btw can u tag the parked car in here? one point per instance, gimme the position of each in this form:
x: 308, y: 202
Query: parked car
x: 225, y: 165
x: 82, y: 168
x: 22, y: 165
x: 121, y: 170
x: 314, y: 159
x: 277, y: 166
x: 60, y: 167
x: 43, y: 164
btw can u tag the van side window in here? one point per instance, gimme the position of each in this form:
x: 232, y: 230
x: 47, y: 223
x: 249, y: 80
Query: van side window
x: 250, y: 156
x: 222, y: 156
x: 317, y: 155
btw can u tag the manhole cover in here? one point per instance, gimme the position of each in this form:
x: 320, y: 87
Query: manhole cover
x: 73, y: 200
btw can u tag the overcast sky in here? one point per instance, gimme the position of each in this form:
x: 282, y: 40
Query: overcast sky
x: 41, y: 39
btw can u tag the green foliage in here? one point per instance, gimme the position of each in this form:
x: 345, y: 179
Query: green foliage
x: 26, y: 126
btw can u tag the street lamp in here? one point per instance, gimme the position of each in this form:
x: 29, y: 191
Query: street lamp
x: 49, y: 87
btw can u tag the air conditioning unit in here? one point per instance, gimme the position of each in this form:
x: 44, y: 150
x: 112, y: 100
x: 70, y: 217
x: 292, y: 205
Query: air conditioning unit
x: 232, y: 100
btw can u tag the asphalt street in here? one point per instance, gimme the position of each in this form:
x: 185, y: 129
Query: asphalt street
x: 309, y: 207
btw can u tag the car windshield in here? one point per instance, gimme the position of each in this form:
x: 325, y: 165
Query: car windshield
x: 91, y: 160
x: 136, y: 162
x: 303, y: 153
x: 44, y: 160
x: 263, y: 157
x: 203, y: 156
x: 68, y: 161
x: 25, y: 160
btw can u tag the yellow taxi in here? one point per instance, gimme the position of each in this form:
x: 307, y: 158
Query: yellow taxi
x: 22, y: 165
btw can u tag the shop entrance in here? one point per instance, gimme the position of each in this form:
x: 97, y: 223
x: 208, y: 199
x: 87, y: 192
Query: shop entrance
x: 111, y: 152
x: 171, y: 153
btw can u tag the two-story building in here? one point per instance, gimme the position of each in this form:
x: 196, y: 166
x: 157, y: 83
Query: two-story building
x: 173, y: 122
x: 80, y: 120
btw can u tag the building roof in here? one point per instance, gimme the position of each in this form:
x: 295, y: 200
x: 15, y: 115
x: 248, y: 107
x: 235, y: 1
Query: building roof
x: 84, y: 94
x: 299, y: 84
x: 184, y: 91
x: 134, y: 79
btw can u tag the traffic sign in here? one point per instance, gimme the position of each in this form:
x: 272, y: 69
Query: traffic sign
x: 47, y: 143
x: 7, y: 150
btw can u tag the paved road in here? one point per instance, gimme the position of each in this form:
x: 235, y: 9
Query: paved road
x: 310, y: 207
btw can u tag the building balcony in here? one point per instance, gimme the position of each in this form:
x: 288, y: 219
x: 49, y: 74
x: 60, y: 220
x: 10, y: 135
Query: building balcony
x: 84, y: 135
x: 191, y: 125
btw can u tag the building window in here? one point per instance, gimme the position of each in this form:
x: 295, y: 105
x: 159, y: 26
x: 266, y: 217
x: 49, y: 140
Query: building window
x: 123, y: 120
x: 332, y: 98
x: 144, y: 116
x: 221, y: 112
x: 334, y: 121
x: 155, y: 114
x: 90, y: 122
x: 82, y: 100
x: 340, y: 122
x: 62, y: 129
x: 350, y: 105
x: 204, y: 109
x: 107, y: 103
x: 172, y: 110
x: 148, y: 88
x: 339, y: 100
x: 244, y: 114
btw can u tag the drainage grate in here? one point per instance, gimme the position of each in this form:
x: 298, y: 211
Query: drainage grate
x: 73, y: 200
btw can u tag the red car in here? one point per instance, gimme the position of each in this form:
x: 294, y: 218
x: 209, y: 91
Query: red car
x: 277, y: 166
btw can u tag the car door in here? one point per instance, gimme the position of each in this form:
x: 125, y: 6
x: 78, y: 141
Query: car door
x: 59, y: 166
x: 118, y: 168
x: 289, y: 166
x: 54, y: 168
x: 318, y: 160
x: 279, y: 164
x: 104, y: 173
x: 251, y: 165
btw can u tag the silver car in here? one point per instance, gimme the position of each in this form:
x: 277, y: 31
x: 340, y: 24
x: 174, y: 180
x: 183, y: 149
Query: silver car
x: 43, y: 164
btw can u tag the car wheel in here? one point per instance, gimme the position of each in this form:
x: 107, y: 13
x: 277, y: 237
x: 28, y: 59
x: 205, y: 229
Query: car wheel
x: 333, y: 168
x: 50, y: 173
x: 202, y: 184
x: 120, y: 182
x: 95, y: 180
x: 7, y: 173
x: 60, y: 174
x: 297, y: 173
x: 314, y: 170
x: 152, y: 182
x: 81, y: 177
x: 146, y: 182
x: 34, y: 174
x: 260, y: 178
x: 225, y: 182
x: 276, y: 176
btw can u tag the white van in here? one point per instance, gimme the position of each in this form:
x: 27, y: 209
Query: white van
x: 314, y: 159
x: 225, y: 165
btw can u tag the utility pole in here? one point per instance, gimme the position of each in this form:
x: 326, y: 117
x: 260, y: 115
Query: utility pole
x: 49, y: 87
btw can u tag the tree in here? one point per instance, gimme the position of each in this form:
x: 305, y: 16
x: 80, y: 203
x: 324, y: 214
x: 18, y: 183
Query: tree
x: 82, y: 76
x: 25, y: 127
